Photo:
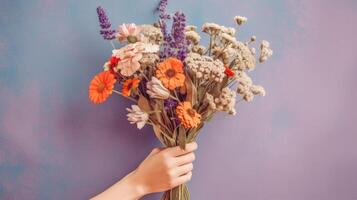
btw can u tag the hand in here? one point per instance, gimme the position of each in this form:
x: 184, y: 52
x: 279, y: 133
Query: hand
x: 163, y: 169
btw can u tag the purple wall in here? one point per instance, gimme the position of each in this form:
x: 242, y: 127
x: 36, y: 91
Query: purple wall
x: 298, y: 142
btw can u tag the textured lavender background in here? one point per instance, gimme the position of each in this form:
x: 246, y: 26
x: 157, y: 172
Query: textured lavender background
x: 299, y: 142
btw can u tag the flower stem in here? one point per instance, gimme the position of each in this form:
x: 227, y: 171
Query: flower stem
x: 131, y: 98
x: 111, y: 42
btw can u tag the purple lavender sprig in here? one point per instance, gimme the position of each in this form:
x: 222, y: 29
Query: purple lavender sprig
x: 178, y: 35
x: 174, y: 44
x: 162, y: 9
x: 163, y: 17
x: 106, y: 31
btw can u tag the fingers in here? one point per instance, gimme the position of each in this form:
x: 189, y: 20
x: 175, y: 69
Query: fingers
x: 182, y: 179
x: 184, y: 169
x: 177, y: 151
x: 185, y: 159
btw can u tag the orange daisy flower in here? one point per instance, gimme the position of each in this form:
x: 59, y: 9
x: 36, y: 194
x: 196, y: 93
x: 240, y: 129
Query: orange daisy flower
x: 129, y: 86
x: 187, y: 115
x: 101, y: 87
x: 170, y: 73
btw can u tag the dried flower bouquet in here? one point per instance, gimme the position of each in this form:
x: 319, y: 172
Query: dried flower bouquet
x: 176, y: 83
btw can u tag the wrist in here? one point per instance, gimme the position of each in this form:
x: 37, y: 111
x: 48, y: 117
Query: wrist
x: 137, y: 184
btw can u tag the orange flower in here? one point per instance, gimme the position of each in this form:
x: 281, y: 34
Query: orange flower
x: 130, y: 85
x: 187, y: 115
x: 170, y: 73
x: 101, y: 87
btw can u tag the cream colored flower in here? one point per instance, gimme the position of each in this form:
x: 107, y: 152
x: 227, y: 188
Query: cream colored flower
x: 245, y: 57
x: 131, y: 54
x: 211, y: 28
x: 246, y: 88
x: 156, y: 90
x: 151, y: 34
x: 190, y: 28
x: 240, y: 20
x: 258, y: 90
x: 265, y: 51
x: 137, y: 116
x: 193, y: 37
x: 149, y: 60
x: 129, y: 32
x: 205, y: 67
x: 228, y: 39
x: 199, y: 49
x: 224, y: 102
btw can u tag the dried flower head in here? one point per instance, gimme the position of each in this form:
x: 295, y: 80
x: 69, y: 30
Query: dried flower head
x: 130, y: 55
x: 137, y: 116
x: 151, y: 34
x: 193, y: 37
x: 240, y: 20
x: 265, y: 51
x: 199, y: 49
x: 156, y: 90
x: 211, y: 28
x: 245, y: 58
x: 246, y: 88
x: 190, y: 28
x: 224, y: 102
x: 129, y: 32
x: 205, y: 68
x: 228, y: 39
x: 149, y: 60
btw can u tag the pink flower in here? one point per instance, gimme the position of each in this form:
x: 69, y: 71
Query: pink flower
x: 130, y: 55
x: 129, y: 32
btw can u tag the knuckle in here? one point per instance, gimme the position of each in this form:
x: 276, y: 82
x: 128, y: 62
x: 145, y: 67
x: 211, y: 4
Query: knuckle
x: 189, y: 176
x: 193, y: 157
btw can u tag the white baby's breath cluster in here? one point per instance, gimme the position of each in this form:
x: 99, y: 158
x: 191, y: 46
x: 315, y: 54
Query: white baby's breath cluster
x: 224, y: 102
x: 246, y: 88
x: 205, y: 67
x: 151, y: 34
x: 244, y: 58
x: 265, y: 51
x: 240, y: 20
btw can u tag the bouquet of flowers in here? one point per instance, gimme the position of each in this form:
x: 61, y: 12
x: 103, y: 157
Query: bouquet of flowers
x: 176, y: 83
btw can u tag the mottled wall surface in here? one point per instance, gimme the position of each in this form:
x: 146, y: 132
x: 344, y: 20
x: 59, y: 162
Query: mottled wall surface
x: 297, y: 143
